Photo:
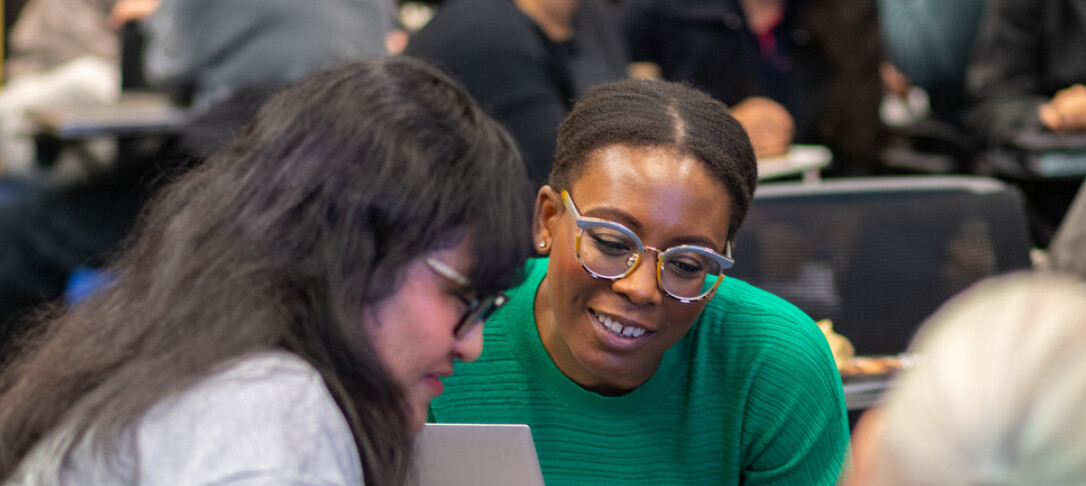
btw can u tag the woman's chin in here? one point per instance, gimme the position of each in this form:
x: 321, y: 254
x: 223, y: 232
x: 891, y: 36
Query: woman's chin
x: 418, y: 415
x: 614, y: 378
x: 418, y: 420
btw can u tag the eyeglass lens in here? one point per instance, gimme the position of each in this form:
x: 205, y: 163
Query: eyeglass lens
x: 477, y: 312
x: 610, y: 253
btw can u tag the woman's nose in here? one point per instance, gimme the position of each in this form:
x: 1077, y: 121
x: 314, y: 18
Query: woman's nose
x: 469, y: 346
x: 640, y: 285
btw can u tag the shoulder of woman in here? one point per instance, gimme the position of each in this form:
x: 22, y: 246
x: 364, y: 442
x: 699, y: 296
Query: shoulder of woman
x: 265, y: 412
x: 739, y: 300
x: 747, y: 320
x: 278, y: 377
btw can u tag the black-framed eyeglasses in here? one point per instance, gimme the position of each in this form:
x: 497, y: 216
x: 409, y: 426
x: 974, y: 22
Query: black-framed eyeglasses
x: 611, y: 251
x: 477, y: 309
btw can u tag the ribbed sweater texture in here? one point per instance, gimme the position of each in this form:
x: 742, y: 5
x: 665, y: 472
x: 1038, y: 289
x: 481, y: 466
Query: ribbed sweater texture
x: 749, y: 396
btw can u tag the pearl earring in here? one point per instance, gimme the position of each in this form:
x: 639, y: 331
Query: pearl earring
x: 542, y: 244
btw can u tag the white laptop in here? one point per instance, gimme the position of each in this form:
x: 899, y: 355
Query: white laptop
x: 477, y: 455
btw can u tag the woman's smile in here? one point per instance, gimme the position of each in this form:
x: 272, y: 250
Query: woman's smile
x: 616, y: 334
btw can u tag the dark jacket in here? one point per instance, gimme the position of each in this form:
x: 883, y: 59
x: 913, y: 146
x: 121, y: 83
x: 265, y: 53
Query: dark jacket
x: 823, y: 70
x: 521, y: 77
x: 1027, y: 50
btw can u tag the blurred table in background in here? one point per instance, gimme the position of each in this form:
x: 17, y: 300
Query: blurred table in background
x: 865, y: 394
x: 804, y: 160
x: 136, y: 115
x: 867, y: 378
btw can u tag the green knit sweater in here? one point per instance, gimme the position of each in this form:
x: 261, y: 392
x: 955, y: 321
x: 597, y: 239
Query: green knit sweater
x: 749, y: 396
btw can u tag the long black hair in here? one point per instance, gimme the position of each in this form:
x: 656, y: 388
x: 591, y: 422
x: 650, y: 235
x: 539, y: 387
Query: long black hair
x: 282, y: 240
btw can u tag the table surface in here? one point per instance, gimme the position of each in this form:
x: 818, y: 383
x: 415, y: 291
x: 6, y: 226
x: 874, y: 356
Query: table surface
x: 807, y: 160
x: 134, y: 113
x: 867, y: 378
x: 864, y: 394
x: 139, y: 112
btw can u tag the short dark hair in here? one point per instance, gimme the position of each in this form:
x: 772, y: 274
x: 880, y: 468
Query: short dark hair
x: 652, y: 113
x: 283, y: 240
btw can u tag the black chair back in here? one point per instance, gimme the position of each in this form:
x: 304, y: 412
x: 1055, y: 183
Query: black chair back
x: 878, y: 255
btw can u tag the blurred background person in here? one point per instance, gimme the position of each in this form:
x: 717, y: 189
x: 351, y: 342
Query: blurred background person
x: 1027, y: 70
x: 1026, y: 79
x: 287, y: 310
x: 526, y: 61
x: 201, y: 51
x: 205, y: 52
x: 223, y: 59
x: 792, y: 72
x: 996, y: 397
x: 928, y: 47
x: 930, y: 42
x: 63, y: 53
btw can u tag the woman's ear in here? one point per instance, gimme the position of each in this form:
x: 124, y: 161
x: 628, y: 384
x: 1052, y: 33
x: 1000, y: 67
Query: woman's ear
x: 547, y: 204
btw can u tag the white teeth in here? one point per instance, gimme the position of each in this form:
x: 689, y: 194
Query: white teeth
x: 616, y: 328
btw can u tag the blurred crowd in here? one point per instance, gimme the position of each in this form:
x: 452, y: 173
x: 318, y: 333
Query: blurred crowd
x: 890, y: 87
x: 1000, y: 81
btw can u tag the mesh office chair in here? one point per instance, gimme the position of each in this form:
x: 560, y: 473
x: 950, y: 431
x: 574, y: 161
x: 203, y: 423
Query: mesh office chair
x: 877, y: 256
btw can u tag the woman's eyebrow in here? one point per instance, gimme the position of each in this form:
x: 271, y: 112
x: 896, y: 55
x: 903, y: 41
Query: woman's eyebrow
x: 695, y: 240
x: 622, y: 217
x: 465, y: 293
x: 614, y: 214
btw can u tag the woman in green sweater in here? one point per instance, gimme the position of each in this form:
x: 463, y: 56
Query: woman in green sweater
x: 626, y: 350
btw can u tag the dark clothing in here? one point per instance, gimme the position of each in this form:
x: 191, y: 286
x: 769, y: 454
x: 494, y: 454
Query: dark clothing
x: 709, y: 44
x: 820, y: 62
x: 521, y: 77
x: 206, y: 49
x: 1027, y: 50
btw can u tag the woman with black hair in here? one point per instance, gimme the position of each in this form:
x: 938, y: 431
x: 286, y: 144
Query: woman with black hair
x: 628, y: 351
x: 288, y: 309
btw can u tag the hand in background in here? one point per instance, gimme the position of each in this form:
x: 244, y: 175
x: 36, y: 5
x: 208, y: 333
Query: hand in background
x: 1065, y: 112
x: 644, y: 70
x: 128, y: 10
x: 768, y: 124
x: 893, y: 80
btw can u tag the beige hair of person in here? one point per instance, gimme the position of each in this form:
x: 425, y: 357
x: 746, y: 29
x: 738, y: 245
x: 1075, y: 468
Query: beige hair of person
x: 999, y: 394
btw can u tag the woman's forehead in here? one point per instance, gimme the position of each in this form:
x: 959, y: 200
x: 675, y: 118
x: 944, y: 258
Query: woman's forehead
x: 659, y: 169
x: 653, y: 187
